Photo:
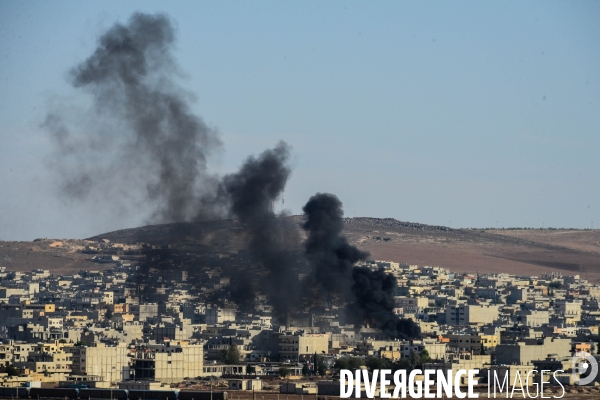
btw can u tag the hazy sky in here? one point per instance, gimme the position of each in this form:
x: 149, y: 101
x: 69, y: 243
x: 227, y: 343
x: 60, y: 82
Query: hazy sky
x: 461, y: 113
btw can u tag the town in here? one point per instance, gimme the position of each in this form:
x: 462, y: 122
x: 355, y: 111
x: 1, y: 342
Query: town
x: 104, y: 328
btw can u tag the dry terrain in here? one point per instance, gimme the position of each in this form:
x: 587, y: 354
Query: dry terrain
x: 58, y: 256
x: 521, y: 252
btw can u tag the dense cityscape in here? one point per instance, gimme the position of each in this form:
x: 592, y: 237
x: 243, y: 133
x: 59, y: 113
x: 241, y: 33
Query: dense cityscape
x: 107, y: 328
x: 213, y: 144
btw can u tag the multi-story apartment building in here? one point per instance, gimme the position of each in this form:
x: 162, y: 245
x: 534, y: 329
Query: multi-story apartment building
x: 411, y: 305
x: 168, y: 363
x: 533, y: 318
x: 472, y: 343
x: 291, y: 347
x: 568, y: 309
x: 109, y: 362
x: 466, y: 314
x: 49, y: 359
x: 219, y: 315
x: 524, y: 352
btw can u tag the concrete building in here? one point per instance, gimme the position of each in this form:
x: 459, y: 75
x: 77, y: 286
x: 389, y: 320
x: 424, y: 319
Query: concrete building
x: 144, y: 311
x: 168, y: 363
x: 527, y: 350
x: 219, y: 315
x: 171, y: 332
x: 436, y: 350
x: 47, y: 359
x: 472, y: 343
x: 291, y: 347
x: 219, y: 370
x: 109, y: 362
x: 245, y: 384
x: 568, y: 309
x: 533, y: 318
x: 411, y: 305
x: 466, y: 314
x: 369, y: 347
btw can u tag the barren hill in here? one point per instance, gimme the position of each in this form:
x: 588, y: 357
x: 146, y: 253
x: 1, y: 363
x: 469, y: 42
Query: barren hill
x: 529, y: 252
x: 59, y: 256
x: 522, y: 252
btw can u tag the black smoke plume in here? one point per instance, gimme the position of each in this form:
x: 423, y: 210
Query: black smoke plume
x: 371, y: 292
x: 139, y: 146
x: 330, y: 254
x: 138, y: 141
x: 374, y: 303
x: 251, y: 193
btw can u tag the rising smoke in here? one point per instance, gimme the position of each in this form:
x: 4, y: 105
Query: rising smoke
x: 370, y: 292
x: 251, y: 193
x: 330, y: 254
x: 161, y: 148
x: 140, y: 141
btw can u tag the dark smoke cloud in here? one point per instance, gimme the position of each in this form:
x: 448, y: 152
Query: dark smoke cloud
x: 328, y: 251
x: 140, y: 137
x: 251, y: 193
x: 333, y: 260
x: 138, y: 146
x: 374, y: 303
x: 140, y: 140
x: 260, y: 181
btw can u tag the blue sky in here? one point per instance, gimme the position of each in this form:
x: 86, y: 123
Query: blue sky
x: 461, y: 113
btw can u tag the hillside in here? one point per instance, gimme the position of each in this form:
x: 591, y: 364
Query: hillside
x: 59, y: 256
x: 523, y: 252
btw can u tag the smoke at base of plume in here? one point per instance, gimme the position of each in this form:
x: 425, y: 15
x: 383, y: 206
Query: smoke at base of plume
x: 333, y: 259
x: 374, y: 303
x: 251, y: 193
x: 138, y: 142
